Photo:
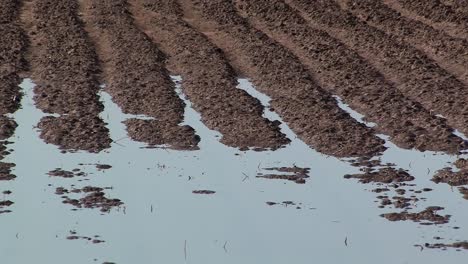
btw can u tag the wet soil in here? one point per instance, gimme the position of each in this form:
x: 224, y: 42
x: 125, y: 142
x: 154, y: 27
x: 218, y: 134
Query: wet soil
x: 12, y: 63
x: 94, y: 197
x: 412, y: 71
x: 346, y: 74
x: 383, y: 175
x: 428, y: 216
x: 95, y: 239
x: 207, y: 78
x: 295, y: 174
x: 66, y: 174
x: 64, y: 66
x: 136, y: 76
x: 311, y: 112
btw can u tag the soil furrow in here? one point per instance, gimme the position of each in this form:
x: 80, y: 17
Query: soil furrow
x: 434, y: 13
x: 311, y: 112
x: 344, y: 73
x: 136, y: 77
x: 208, y: 80
x: 450, y: 53
x: 414, y: 74
x: 64, y: 66
x: 13, y: 44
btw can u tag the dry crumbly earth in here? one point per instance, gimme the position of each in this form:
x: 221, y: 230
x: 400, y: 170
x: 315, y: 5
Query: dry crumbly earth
x: 403, y: 64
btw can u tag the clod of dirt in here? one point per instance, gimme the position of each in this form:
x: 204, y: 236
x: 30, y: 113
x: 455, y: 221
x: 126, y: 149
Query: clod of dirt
x: 464, y: 192
x: 383, y: 175
x: 94, y: 240
x: 103, y: 166
x: 426, y: 217
x: 5, y: 171
x: 447, y: 175
x: 94, y: 198
x: 7, y: 127
x: 203, y: 192
x: 297, y: 174
x: 65, y: 174
x: 457, y: 245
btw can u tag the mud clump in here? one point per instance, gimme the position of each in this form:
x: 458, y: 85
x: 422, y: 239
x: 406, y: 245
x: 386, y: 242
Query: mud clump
x: 95, y: 239
x: 428, y: 216
x: 448, y: 176
x: 203, y: 192
x: 94, y: 197
x: 103, y: 166
x: 457, y: 245
x: 297, y: 174
x: 5, y: 171
x: 66, y: 174
x: 383, y: 175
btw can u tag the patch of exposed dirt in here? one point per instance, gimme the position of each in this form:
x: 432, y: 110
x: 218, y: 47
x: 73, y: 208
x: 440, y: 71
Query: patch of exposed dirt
x: 203, y: 192
x: 428, y: 216
x: 94, y: 197
x: 295, y: 174
x: 383, y: 175
x: 66, y: 174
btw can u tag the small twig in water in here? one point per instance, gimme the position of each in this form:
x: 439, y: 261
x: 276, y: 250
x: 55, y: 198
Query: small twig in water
x: 246, y: 177
x: 224, y: 246
x: 346, y: 241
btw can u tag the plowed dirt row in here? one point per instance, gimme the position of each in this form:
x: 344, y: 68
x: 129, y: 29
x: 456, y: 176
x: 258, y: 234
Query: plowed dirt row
x: 434, y: 13
x: 415, y: 75
x: 12, y: 47
x: 344, y: 73
x: 136, y: 77
x: 64, y: 66
x: 451, y: 53
x: 208, y: 80
x: 310, y: 111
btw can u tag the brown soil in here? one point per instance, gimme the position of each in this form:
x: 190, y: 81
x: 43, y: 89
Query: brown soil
x: 94, y: 197
x: 208, y: 80
x: 447, y: 175
x: 12, y: 48
x: 203, y: 192
x: 413, y: 72
x: 296, y: 174
x: 457, y: 245
x: 64, y: 66
x: 449, y: 52
x: 136, y: 77
x: 383, y: 175
x: 66, y: 174
x: 436, y: 14
x: 345, y: 73
x: 311, y: 112
x: 426, y: 217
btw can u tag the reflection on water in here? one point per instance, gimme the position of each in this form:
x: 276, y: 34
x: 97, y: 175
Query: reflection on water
x: 246, y: 220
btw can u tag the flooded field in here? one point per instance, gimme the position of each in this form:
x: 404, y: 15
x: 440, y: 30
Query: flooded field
x: 215, y: 131
x: 246, y: 219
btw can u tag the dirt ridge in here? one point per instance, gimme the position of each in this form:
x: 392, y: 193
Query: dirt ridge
x: 311, y: 112
x: 136, y: 76
x: 64, y: 66
x: 418, y: 77
x: 343, y: 72
x: 207, y: 78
